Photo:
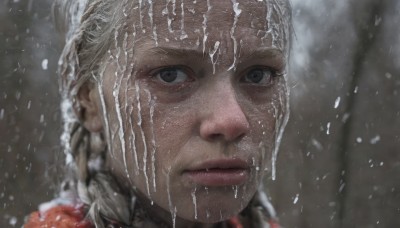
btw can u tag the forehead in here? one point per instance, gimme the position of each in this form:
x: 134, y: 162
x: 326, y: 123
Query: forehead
x: 205, y: 24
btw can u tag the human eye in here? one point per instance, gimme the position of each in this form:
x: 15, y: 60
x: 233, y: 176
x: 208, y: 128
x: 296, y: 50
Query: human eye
x: 171, y: 75
x: 259, y: 76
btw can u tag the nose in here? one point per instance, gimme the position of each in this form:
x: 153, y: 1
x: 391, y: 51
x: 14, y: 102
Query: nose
x: 224, y: 117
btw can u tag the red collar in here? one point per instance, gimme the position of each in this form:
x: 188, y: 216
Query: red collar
x: 61, y: 217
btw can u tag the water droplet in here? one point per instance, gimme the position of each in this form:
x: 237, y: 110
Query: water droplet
x: 337, y: 102
x: 296, y: 198
x: 345, y: 117
x: 44, y: 64
x: 378, y: 20
x: 328, y: 126
x: 13, y: 221
x: 1, y: 113
x: 375, y: 140
x: 317, y: 144
x: 342, y: 187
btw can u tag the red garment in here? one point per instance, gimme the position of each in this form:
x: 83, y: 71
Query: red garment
x: 273, y: 224
x: 235, y: 223
x: 74, y: 217
x: 60, y: 217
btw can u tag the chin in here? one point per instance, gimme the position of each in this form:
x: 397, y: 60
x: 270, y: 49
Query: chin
x: 213, y: 208
x: 215, y: 215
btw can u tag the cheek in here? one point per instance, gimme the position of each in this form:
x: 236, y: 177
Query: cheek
x: 146, y: 138
x: 128, y: 117
x: 265, y: 121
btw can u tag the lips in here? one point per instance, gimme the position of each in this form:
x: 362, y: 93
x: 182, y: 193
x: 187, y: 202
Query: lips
x: 220, y: 172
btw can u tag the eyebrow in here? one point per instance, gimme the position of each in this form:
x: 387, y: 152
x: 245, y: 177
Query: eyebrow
x: 261, y: 53
x: 176, y: 52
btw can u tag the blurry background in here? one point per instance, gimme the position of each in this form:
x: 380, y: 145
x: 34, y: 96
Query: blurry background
x: 339, y: 164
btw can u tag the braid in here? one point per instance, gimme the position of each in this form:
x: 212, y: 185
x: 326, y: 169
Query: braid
x: 96, y: 188
x: 88, y: 22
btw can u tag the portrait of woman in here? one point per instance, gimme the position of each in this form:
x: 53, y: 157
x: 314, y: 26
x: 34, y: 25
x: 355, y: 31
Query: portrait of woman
x: 173, y: 113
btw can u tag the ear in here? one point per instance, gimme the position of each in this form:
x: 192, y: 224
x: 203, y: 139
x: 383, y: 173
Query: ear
x: 90, y: 109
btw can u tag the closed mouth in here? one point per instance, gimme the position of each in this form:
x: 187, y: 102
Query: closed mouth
x: 220, y: 172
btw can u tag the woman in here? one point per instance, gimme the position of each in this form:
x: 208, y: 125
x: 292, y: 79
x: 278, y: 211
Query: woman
x: 173, y: 112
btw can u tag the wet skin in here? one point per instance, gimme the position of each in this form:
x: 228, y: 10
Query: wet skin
x: 191, y: 132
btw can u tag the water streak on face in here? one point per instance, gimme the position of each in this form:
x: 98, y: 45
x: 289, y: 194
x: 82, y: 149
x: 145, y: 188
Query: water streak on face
x: 195, y: 97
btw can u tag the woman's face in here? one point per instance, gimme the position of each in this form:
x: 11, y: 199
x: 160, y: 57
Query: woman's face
x: 191, y: 102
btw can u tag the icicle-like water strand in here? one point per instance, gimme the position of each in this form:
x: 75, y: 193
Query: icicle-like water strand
x: 174, y: 7
x: 183, y: 33
x: 153, y: 140
x: 235, y: 6
x: 262, y: 149
x: 235, y: 191
x: 139, y: 124
x: 119, y: 75
x: 276, y: 147
x: 281, y: 122
x: 107, y: 130
x: 277, y: 25
x: 141, y: 15
x: 204, y: 25
x: 205, y: 34
x: 172, y: 208
x: 165, y: 12
x: 153, y: 27
x: 133, y: 139
x: 130, y: 108
x: 268, y: 22
x: 212, y: 53
x: 194, y: 202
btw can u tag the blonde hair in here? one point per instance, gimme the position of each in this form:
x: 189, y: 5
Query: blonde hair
x: 89, y: 27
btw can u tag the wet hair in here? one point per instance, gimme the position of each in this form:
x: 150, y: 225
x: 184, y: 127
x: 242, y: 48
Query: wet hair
x: 89, y: 28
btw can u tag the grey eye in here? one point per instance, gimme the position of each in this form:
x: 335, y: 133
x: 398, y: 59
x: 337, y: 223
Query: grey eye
x: 258, y: 76
x: 171, y: 75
